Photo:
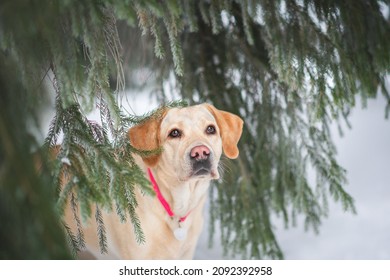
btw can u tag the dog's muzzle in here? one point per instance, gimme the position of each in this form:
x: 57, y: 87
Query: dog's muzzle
x: 200, y: 160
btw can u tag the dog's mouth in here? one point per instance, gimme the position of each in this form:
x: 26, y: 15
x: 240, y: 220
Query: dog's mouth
x: 201, y: 168
x: 202, y: 172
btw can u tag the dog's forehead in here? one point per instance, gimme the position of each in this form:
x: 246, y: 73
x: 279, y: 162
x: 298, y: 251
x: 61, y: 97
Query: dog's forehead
x: 190, y: 115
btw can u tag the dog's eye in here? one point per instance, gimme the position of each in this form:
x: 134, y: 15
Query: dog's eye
x: 210, y: 129
x: 175, y: 133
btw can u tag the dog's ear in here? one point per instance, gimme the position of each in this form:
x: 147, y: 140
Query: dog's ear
x: 146, y: 137
x: 230, y: 127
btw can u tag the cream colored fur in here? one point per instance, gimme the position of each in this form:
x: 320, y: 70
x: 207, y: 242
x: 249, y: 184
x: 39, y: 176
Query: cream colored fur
x: 184, y: 191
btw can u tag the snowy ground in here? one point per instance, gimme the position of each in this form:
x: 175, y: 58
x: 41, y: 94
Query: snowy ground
x: 365, y: 152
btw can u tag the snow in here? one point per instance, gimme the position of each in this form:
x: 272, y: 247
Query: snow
x: 385, y: 9
x: 365, y: 152
x: 66, y: 161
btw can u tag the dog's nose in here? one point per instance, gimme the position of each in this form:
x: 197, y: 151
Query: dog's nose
x: 200, y: 153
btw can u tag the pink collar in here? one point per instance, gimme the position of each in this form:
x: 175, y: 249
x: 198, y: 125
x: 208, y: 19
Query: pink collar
x: 161, y: 198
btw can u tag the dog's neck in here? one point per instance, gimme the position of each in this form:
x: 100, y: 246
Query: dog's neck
x: 183, y: 197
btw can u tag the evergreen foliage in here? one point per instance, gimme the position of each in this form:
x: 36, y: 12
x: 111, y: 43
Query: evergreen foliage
x: 29, y: 228
x: 289, y: 68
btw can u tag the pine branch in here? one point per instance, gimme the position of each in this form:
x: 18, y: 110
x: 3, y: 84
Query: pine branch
x: 80, y: 235
x: 139, y: 235
x: 101, y: 231
x: 72, y: 241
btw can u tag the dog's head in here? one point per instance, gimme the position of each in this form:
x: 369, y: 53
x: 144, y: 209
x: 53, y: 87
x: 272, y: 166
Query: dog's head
x: 193, y: 139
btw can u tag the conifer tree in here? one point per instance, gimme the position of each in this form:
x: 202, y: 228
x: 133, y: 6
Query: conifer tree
x: 289, y: 68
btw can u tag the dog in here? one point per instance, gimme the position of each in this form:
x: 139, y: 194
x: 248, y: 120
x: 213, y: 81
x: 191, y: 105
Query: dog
x: 192, y: 139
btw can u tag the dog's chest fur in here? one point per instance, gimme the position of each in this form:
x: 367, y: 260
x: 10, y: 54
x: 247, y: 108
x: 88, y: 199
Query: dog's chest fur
x: 158, y: 227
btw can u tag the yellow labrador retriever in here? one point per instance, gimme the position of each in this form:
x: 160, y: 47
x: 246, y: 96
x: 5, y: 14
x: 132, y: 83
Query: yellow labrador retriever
x: 193, y: 139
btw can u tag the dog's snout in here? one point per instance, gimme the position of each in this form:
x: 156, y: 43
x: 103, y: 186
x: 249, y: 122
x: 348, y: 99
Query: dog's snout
x: 200, y: 160
x: 200, y: 153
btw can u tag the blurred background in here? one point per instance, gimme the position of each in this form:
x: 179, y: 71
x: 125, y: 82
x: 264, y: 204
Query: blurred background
x: 79, y: 73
